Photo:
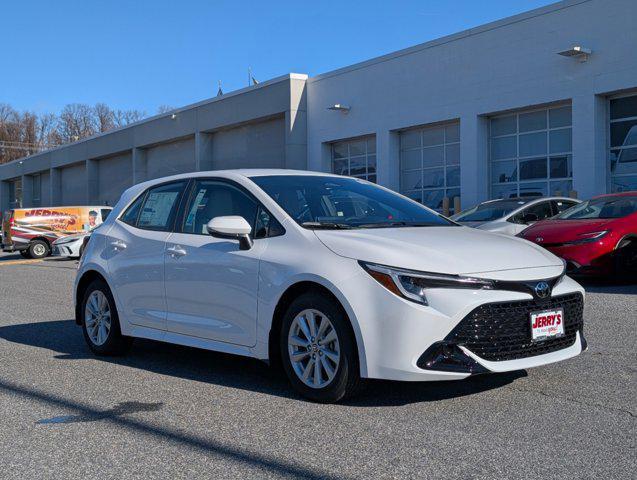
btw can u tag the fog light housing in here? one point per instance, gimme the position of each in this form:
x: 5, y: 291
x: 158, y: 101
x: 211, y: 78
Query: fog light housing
x: 448, y: 357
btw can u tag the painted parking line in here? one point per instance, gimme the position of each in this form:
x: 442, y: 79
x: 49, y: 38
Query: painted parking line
x: 19, y: 262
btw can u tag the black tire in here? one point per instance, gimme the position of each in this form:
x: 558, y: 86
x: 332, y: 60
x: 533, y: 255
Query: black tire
x: 346, y: 381
x: 116, y: 343
x: 39, y: 249
x: 25, y: 253
x: 626, y: 260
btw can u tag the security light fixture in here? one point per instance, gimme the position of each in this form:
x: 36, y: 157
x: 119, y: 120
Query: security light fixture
x: 578, y: 52
x: 173, y: 116
x: 339, y: 108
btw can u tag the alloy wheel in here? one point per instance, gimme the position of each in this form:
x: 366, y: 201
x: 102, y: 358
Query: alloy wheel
x: 314, y: 348
x: 97, y: 317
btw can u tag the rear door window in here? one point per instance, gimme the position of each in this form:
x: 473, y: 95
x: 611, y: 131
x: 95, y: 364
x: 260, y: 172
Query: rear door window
x: 131, y: 214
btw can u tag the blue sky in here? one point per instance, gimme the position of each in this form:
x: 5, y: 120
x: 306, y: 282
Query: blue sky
x: 142, y: 54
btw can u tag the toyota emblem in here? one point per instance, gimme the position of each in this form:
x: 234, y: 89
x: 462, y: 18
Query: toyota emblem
x: 542, y: 290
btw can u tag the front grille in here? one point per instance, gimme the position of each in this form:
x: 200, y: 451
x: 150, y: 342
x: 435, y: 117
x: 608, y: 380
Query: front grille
x: 502, y: 331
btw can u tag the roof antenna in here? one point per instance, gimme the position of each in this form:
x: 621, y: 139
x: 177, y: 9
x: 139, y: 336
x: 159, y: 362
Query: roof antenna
x: 251, y: 79
x: 219, y: 92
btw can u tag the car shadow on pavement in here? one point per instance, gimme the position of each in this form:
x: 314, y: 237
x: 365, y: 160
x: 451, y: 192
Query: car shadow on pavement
x: 65, y: 338
x: 608, y: 285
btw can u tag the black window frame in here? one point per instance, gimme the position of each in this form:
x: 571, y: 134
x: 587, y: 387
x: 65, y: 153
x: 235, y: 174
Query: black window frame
x: 144, y: 194
x: 187, y: 199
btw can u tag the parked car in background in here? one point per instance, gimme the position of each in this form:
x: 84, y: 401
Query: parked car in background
x: 596, y: 237
x: 71, y: 246
x: 512, y: 215
x: 334, y: 277
x: 32, y: 231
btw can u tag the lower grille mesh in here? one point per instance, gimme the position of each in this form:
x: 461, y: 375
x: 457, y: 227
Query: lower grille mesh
x: 502, y: 331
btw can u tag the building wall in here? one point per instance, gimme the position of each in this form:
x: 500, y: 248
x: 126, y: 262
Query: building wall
x: 255, y: 145
x: 503, y: 66
x: 259, y: 126
x: 114, y: 175
x: 466, y: 79
x: 45, y: 188
x: 171, y: 158
x: 73, y: 185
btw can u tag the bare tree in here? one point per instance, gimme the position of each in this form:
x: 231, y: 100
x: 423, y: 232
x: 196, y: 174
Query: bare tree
x: 104, y: 117
x: 164, y: 109
x: 10, y: 134
x: 125, y: 117
x: 25, y: 133
x: 47, y: 131
x: 28, y: 124
x: 77, y: 121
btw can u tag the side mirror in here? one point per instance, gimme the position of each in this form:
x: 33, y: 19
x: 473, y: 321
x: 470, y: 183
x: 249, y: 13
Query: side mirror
x: 233, y: 227
x: 530, y: 218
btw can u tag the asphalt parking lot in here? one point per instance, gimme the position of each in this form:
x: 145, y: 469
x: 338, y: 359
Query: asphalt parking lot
x: 167, y: 411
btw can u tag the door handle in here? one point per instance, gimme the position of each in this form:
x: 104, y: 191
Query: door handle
x: 118, y: 245
x: 176, y: 251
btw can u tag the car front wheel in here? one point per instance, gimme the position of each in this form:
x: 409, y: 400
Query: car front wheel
x: 39, y: 249
x: 100, y: 321
x: 318, y: 350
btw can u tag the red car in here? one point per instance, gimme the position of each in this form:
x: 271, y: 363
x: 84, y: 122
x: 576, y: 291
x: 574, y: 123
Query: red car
x: 596, y: 237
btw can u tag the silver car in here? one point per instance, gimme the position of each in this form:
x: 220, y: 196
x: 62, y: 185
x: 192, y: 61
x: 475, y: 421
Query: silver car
x: 512, y: 215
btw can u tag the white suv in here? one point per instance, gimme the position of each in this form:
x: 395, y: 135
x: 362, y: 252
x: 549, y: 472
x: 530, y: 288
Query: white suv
x: 336, y: 278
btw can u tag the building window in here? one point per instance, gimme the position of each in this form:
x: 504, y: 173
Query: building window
x: 37, y: 189
x: 531, y: 153
x: 356, y: 158
x: 623, y: 143
x: 430, y: 164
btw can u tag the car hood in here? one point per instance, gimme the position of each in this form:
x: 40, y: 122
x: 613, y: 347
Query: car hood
x: 453, y: 250
x: 558, y: 231
x: 474, y: 224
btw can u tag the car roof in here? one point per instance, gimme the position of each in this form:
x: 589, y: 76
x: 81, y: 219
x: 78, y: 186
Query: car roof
x: 232, y: 174
x: 618, y: 194
x: 527, y: 200
x: 60, y: 207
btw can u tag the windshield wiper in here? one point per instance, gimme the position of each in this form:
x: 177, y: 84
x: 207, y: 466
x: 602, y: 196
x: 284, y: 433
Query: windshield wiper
x: 326, y: 225
x: 393, y: 224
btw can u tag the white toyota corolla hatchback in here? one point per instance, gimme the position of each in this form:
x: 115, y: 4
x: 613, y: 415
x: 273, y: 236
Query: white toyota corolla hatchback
x: 336, y: 278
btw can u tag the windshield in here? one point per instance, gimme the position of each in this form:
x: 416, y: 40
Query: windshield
x: 342, y: 202
x: 488, y: 211
x: 605, y: 207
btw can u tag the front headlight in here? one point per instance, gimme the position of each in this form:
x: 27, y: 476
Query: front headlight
x: 588, y: 237
x: 64, y: 241
x: 413, y: 285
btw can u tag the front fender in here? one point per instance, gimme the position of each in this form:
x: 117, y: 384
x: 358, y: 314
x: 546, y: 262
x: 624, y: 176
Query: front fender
x: 273, y: 288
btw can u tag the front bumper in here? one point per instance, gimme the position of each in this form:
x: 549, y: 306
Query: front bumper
x: 400, y: 337
x: 68, y: 249
x: 494, y: 336
x: 585, y: 259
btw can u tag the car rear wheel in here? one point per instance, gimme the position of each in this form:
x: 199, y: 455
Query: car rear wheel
x: 100, y: 321
x: 39, y: 249
x: 318, y: 351
x: 626, y: 258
